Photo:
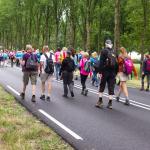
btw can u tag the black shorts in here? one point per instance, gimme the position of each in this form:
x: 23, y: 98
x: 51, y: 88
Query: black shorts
x: 109, y: 78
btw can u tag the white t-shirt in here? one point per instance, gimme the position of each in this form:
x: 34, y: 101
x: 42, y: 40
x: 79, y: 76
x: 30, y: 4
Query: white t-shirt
x: 43, y: 59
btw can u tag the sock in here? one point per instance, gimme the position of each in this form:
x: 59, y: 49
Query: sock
x: 127, y: 97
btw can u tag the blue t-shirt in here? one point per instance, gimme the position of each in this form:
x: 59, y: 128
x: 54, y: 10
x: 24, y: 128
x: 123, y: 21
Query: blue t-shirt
x: 19, y: 55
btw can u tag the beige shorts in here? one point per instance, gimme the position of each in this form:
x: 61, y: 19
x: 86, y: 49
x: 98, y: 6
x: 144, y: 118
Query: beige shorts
x: 30, y: 75
x: 45, y: 77
x: 122, y: 76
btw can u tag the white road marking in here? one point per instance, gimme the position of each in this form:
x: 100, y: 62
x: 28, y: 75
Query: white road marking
x: 61, y: 125
x: 52, y: 119
x: 134, y: 103
x: 13, y: 90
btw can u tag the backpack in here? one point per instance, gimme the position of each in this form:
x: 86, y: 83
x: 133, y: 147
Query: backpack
x: 111, y: 60
x: 1, y: 57
x: 127, y: 66
x: 70, y: 66
x: 148, y: 65
x: 31, y: 63
x: 49, y: 69
x: 87, y: 66
x: 96, y: 65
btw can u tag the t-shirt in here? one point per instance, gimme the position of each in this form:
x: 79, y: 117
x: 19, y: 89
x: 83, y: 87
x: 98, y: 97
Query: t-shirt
x: 43, y: 59
x: 19, y: 55
x: 26, y: 56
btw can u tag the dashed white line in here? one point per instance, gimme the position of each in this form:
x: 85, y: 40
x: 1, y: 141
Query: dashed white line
x: 134, y: 103
x: 61, y: 125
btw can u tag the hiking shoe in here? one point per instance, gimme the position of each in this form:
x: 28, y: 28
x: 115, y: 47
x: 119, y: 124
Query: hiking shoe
x: 85, y: 92
x: 42, y: 97
x: 48, y: 98
x: 65, y: 96
x: 109, y: 106
x: 147, y: 90
x: 33, y: 98
x: 72, y: 94
x: 117, y: 99
x: 99, y: 104
x: 22, y: 95
x: 127, y: 102
x: 82, y: 92
x: 141, y: 89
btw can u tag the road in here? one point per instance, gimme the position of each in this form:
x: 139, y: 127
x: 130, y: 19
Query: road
x: 80, y: 123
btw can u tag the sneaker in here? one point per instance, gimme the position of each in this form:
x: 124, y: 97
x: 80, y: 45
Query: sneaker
x: 85, y: 92
x: 127, y: 102
x: 42, y: 97
x: 33, y: 98
x: 109, y: 106
x: 147, y: 90
x: 22, y: 95
x: 99, y: 104
x: 72, y: 94
x: 117, y: 99
x: 48, y: 98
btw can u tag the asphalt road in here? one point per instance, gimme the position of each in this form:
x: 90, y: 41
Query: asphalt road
x: 80, y: 123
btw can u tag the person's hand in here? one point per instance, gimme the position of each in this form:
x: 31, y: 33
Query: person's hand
x: 136, y: 77
x: 100, y: 76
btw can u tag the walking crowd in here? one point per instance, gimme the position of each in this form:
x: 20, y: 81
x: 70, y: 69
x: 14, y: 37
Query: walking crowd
x: 68, y: 65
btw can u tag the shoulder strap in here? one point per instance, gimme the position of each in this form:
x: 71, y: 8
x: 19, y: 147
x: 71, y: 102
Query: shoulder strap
x: 50, y: 56
x: 46, y: 55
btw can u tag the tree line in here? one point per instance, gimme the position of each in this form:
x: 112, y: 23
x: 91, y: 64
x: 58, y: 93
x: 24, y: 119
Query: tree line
x: 82, y: 24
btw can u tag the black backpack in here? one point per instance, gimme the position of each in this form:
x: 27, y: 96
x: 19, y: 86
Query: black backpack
x: 31, y: 63
x: 111, y: 60
x: 70, y: 66
x: 49, y: 69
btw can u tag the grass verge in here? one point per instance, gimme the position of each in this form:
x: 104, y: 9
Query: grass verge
x: 21, y: 130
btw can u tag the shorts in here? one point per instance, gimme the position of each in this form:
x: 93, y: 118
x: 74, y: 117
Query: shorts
x: 108, y: 78
x: 32, y: 75
x: 122, y: 76
x: 44, y: 77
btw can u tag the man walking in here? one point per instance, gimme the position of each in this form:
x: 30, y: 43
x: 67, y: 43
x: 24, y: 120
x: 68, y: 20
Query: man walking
x: 67, y: 69
x: 46, y: 71
x: 108, y: 70
x: 30, y: 71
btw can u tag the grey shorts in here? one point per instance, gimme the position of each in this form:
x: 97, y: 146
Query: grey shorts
x: 45, y: 77
x: 32, y: 75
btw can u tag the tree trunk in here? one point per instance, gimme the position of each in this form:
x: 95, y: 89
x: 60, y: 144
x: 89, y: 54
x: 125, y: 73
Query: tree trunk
x: 117, y: 26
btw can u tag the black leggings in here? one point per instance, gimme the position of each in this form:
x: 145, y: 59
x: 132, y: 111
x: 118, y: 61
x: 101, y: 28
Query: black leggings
x: 83, y: 80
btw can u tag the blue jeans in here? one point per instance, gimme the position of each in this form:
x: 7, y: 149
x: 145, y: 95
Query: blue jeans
x: 94, y: 78
x: 57, y: 70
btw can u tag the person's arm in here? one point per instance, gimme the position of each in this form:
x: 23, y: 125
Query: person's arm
x: 22, y: 61
x: 135, y: 72
x: 41, y: 66
x: 143, y: 66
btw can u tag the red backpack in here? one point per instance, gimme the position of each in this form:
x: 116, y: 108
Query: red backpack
x: 148, y: 65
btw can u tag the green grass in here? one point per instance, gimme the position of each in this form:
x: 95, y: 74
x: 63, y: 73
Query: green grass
x: 19, y: 130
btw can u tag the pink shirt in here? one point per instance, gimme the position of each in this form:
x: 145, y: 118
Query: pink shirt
x: 57, y: 56
x: 82, y: 71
